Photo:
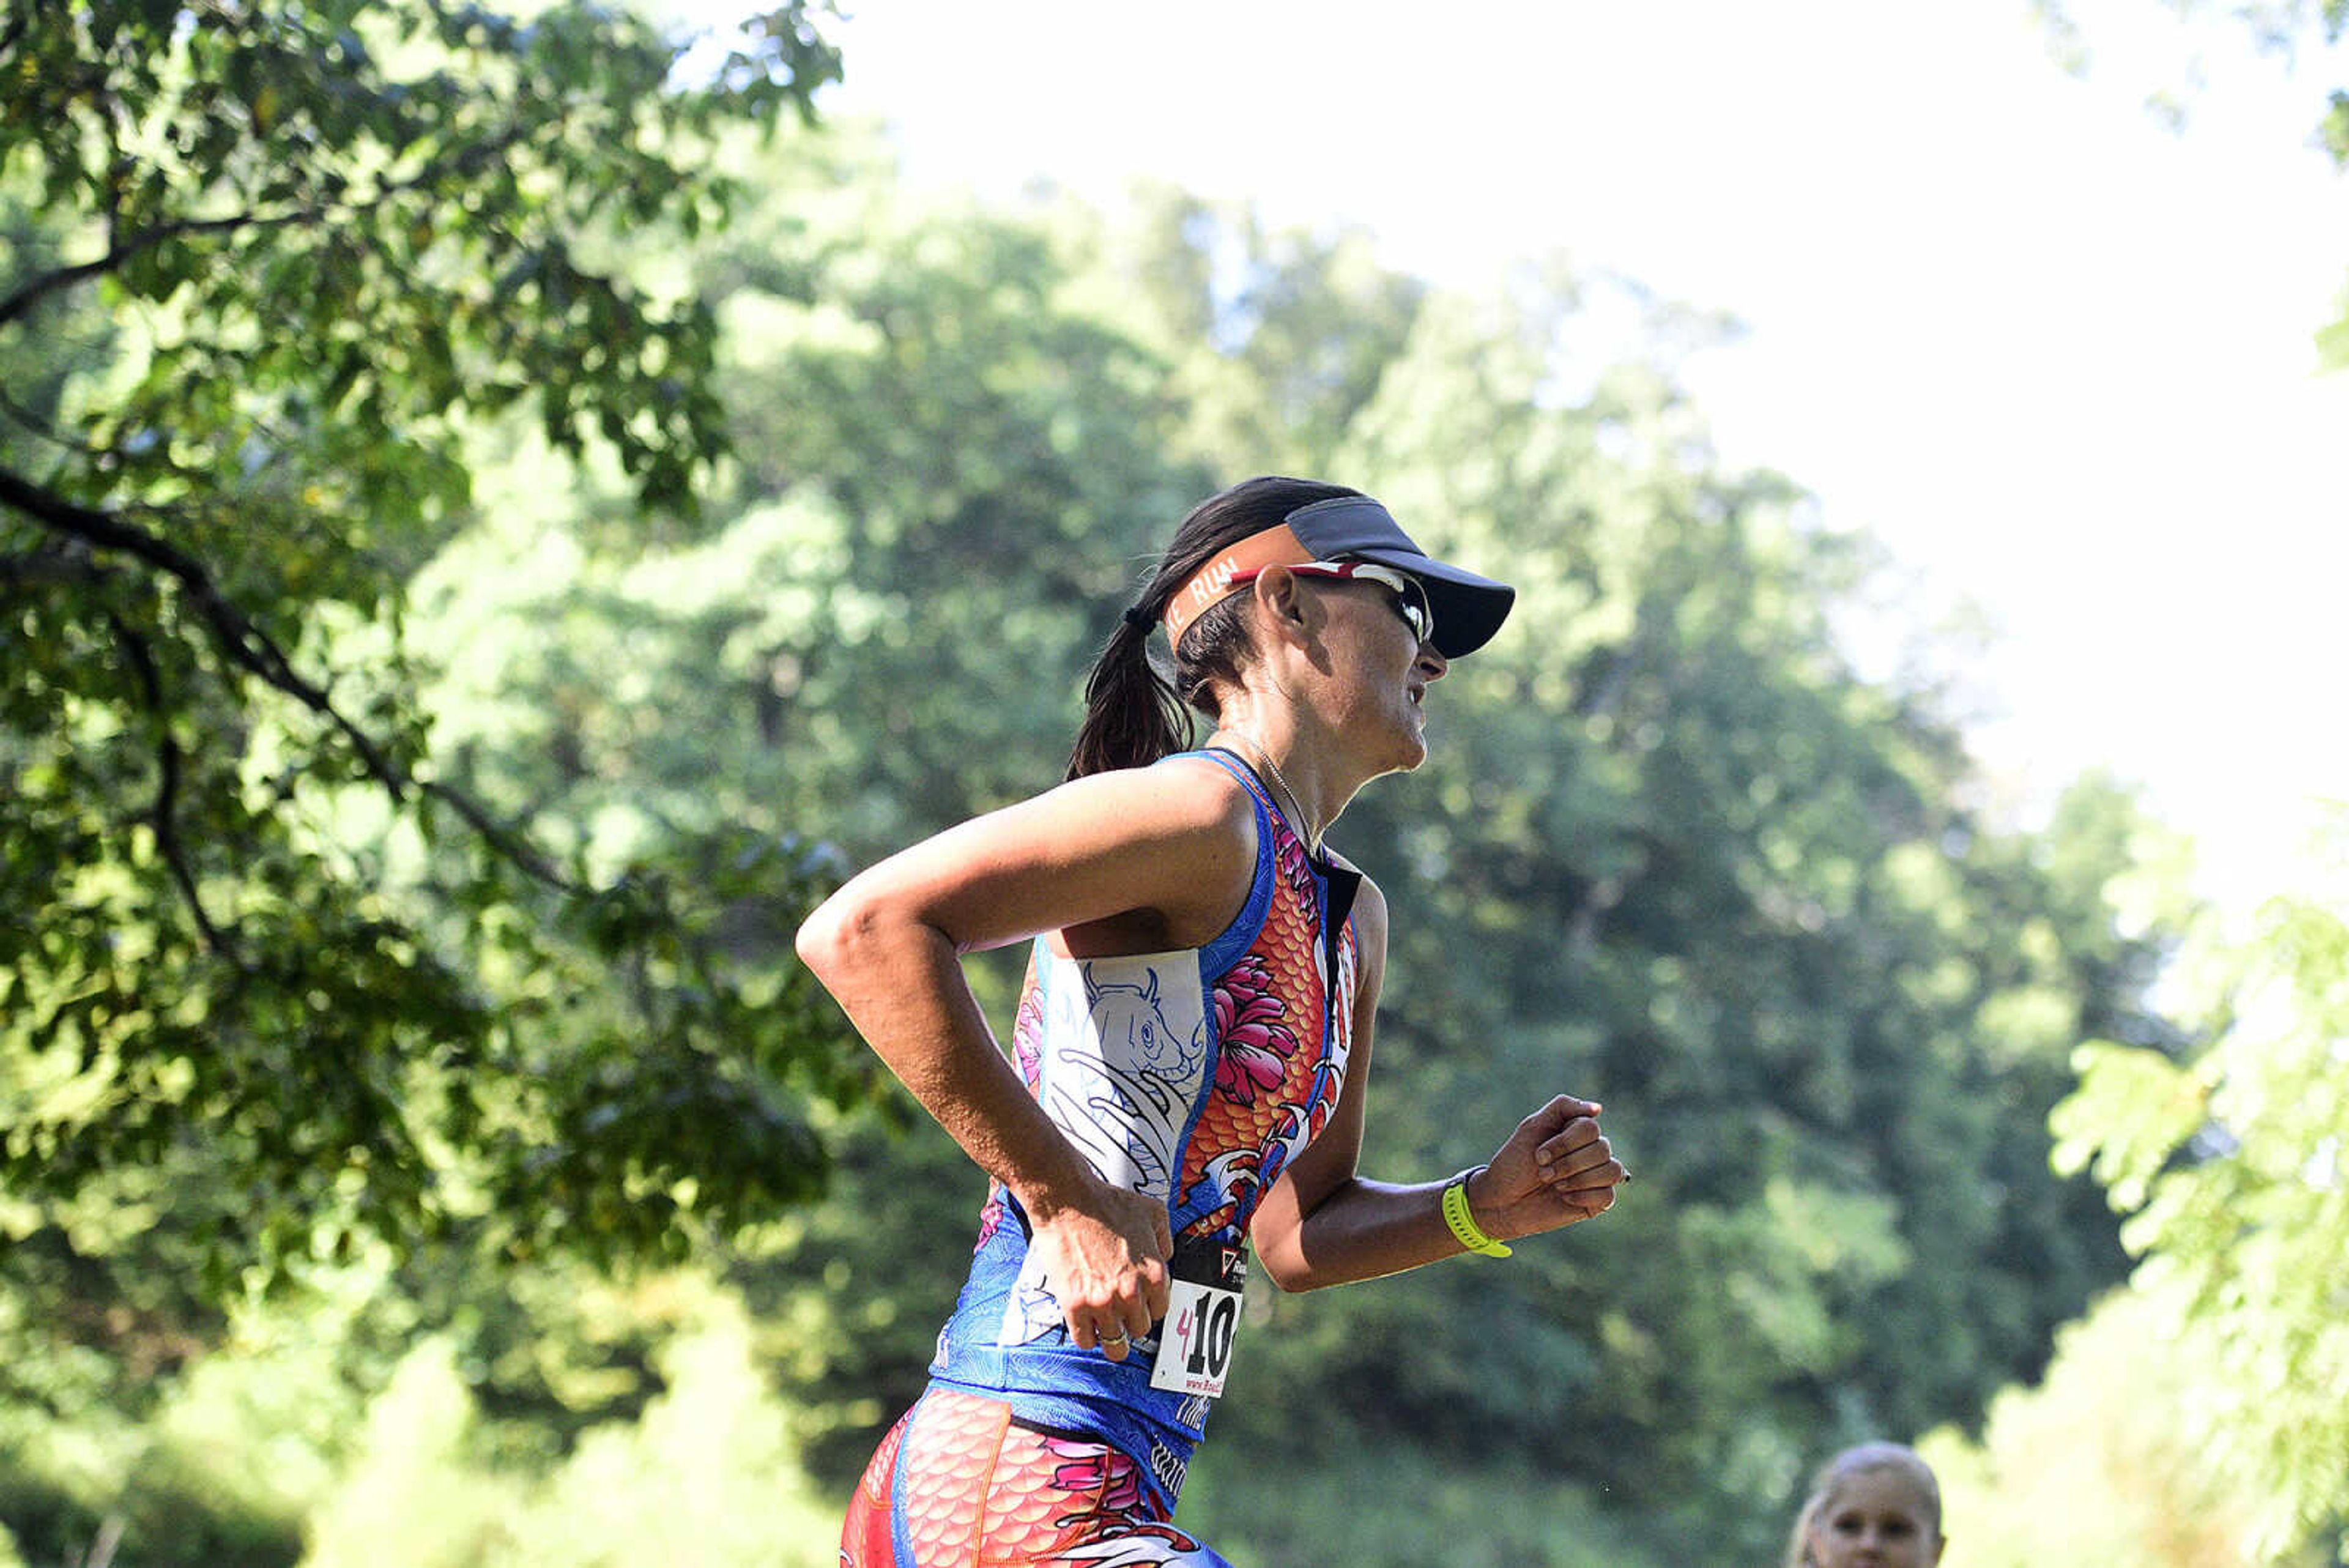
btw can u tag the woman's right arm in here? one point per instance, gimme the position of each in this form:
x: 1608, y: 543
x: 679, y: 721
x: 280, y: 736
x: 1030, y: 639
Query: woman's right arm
x: 1170, y: 850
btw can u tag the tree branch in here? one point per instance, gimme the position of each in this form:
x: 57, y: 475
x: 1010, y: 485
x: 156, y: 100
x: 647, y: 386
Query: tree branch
x: 41, y: 429
x: 163, y: 815
x: 48, y: 283
x: 253, y: 650
x: 48, y: 566
x: 465, y: 161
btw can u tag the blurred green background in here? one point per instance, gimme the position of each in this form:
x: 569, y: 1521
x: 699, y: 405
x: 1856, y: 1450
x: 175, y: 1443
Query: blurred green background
x: 493, y: 524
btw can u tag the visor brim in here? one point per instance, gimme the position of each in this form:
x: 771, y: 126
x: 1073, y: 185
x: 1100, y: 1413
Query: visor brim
x: 1469, y: 609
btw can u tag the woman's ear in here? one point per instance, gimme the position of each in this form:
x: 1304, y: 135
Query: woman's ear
x: 1288, y: 609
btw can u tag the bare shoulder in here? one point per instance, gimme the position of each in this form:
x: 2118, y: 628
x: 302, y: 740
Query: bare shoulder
x: 1149, y: 857
x: 1179, y: 840
x: 1186, y: 802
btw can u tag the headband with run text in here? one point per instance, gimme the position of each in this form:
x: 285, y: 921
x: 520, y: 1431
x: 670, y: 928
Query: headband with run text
x: 1275, y: 546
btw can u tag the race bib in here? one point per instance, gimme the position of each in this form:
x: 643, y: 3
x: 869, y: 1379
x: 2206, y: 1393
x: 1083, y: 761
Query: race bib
x: 1203, y: 1315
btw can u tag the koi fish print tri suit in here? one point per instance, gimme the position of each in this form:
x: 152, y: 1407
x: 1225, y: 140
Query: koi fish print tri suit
x: 1193, y: 1076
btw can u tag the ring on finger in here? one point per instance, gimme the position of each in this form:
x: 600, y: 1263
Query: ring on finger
x: 1120, y: 1337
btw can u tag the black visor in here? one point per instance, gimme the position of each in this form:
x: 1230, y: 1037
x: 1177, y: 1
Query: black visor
x: 1468, y: 609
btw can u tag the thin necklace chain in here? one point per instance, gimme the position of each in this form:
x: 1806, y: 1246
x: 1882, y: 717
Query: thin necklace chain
x: 1312, y: 838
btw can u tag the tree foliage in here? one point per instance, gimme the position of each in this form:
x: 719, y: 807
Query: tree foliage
x: 2230, y: 1167
x: 2099, y: 1462
x: 271, y: 273
x: 2192, y: 1419
x: 1672, y: 850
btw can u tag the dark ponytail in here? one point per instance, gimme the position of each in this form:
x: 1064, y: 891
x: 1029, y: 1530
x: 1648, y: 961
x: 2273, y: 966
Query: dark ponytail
x: 1134, y: 712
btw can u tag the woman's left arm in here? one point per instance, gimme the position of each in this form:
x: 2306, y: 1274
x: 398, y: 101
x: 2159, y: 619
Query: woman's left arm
x: 1324, y: 1224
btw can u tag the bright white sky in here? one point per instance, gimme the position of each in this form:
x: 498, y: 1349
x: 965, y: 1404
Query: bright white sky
x: 2056, y: 356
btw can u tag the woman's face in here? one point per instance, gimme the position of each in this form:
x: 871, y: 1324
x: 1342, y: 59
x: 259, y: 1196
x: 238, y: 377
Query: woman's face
x: 1875, y: 1519
x: 1390, y: 670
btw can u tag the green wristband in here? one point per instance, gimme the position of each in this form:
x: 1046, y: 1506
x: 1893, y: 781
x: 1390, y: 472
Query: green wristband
x: 1464, y: 1229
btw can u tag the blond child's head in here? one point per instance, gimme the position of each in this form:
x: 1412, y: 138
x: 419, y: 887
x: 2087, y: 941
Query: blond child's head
x: 1875, y: 1506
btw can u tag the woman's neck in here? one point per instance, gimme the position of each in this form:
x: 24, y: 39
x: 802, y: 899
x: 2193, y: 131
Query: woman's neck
x: 1296, y: 774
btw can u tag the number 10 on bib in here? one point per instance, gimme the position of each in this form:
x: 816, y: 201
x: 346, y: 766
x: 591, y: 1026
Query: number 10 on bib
x: 1194, y: 1347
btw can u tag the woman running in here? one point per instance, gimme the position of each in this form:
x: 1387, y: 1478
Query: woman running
x: 1187, y: 1063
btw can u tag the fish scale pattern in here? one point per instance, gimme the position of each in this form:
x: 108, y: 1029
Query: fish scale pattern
x: 978, y: 1490
x: 1278, y: 1073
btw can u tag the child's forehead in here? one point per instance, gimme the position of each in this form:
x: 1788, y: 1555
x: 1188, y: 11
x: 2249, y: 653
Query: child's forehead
x: 1879, y: 1486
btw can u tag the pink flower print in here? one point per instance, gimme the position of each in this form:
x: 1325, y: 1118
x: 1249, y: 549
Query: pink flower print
x: 1297, y: 870
x: 1098, y: 1471
x: 1028, y: 1033
x: 1257, y: 1044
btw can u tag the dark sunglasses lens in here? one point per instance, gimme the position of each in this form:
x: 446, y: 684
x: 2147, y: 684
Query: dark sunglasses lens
x: 1416, y: 609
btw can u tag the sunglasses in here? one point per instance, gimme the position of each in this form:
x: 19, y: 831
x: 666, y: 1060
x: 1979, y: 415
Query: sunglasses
x: 1410, y: 593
